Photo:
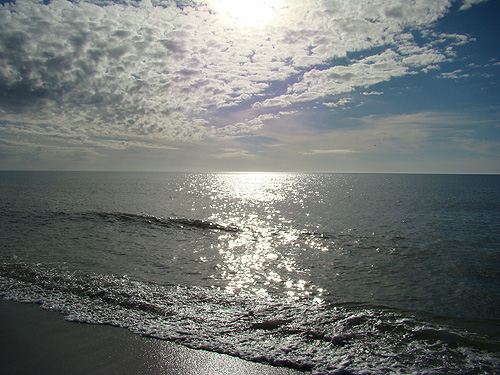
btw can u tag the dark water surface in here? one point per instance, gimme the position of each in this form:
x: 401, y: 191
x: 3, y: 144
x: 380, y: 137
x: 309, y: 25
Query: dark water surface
x: 369, y: 273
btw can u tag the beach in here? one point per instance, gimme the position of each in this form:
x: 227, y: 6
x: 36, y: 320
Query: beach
x: 42, y: 342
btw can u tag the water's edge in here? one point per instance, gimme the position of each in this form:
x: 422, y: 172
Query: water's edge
x: 298, y: 334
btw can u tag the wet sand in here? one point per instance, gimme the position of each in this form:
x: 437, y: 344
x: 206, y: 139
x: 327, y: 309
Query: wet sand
x: 35, y: 341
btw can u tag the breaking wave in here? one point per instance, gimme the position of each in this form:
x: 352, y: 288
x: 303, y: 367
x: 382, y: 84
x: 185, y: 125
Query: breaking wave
x: 295, y: 333
x: 143, y: 219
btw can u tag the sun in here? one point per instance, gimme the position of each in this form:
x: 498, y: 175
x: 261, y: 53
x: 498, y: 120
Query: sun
x: 250, y: 13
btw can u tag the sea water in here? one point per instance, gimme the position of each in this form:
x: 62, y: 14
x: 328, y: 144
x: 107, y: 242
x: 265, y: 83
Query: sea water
x: 351, y: 273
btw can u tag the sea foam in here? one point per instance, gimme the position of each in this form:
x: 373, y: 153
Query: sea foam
x: 295, y: 333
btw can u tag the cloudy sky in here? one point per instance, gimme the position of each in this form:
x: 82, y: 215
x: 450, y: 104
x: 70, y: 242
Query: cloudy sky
x: 250, y: 85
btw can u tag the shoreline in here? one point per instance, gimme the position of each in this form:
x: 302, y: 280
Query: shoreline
x: 42, y: 342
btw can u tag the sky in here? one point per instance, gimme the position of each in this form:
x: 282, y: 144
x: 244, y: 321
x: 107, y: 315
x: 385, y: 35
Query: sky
x: 394, y: 86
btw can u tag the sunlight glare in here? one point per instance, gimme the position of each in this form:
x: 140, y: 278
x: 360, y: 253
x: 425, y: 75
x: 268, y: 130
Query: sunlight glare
x: 248, y: 13
x: 262, y: 256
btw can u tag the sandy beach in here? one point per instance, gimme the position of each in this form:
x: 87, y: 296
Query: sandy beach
x: 37, y: 341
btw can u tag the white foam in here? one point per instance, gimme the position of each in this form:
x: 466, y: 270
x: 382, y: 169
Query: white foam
x: 284, y: 332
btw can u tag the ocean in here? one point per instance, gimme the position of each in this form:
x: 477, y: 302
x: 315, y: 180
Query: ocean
x: 328, y: 273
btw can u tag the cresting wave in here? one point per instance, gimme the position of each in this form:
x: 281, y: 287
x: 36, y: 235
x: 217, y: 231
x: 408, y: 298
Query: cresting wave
x: 170, y: 222
x: 298, y: 333
x: 175, y: 223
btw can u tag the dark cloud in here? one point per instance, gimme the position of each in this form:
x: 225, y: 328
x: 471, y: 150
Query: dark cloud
x: 395, y: 12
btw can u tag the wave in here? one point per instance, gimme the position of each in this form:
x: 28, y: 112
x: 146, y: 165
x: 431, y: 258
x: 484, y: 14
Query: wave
x: 170, y: 222
x: 301, y: 334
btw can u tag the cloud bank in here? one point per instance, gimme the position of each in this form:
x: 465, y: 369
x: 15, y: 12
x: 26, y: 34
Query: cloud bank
x: 126, y: 72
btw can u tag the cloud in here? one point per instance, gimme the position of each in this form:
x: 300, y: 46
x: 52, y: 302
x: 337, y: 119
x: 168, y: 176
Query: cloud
x: 243, y: 128
x: 484, y: 147
x: 316, y: 84
x: 413, y: 133
x: 230, y: 153
x: 406, y: 134
x: 334, y: 151
x: 469, y: 3
x: 422, y: 120
x: 166, y: 69
x: 456, y: 74
x: 340, y: 103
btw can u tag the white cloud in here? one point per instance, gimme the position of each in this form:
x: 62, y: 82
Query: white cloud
x: 230, y: 153
x: 437, y: 39
x: 417, y: 119
x: 243, y: 128
x: 484, y: 147
x: 155, y: 70
x: 334, y: 151
x: 410, y: 133
x: 456, y: 74
x: 424, y: 58
x: 340, y: 103
x: 469, y: 3
x: 361, y: 140
x: 316, y: 84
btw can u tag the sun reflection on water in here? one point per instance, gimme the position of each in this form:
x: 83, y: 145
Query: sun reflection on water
x: 254, y: 187
x: 262, y: 256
